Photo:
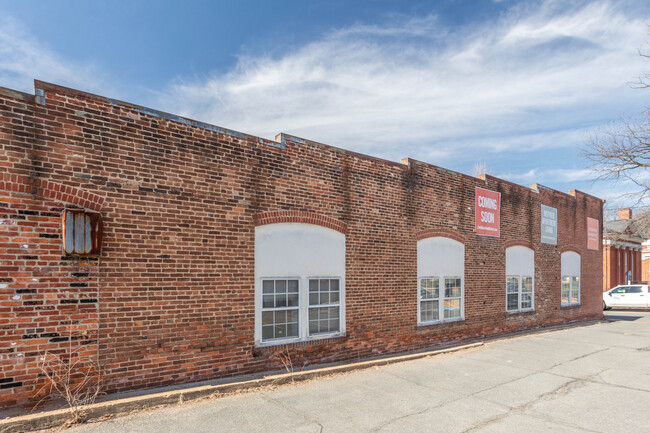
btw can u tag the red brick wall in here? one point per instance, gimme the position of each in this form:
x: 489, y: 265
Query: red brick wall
x: 175, y: 280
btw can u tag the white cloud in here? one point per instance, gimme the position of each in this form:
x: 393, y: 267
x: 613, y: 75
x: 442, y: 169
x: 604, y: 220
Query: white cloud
x: 23, y: 58
x: 535, y: 78
x: 536, y: 175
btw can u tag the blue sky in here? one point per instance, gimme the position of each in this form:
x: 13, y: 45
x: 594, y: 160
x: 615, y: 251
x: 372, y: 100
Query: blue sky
x: 518, y: 85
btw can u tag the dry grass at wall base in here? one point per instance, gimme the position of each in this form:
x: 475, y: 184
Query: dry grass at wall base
x: 73, y: 377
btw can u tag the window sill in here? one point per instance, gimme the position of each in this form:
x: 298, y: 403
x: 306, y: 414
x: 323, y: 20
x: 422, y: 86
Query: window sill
x: 512, y: 313
x: 571, y: 305
x: 321, y: 339
x: 440, y: 322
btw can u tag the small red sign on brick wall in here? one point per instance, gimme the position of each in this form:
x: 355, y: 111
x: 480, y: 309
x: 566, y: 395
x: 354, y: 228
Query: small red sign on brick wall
x: 593, y: 234
x: 487, y: 212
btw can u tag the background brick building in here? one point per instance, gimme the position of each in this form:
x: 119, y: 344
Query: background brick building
x: 177, y: 295
x: 622, y: 249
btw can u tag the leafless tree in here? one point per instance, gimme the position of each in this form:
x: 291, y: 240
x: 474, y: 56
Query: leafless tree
x: 480, y: 168
x: 621, y: 151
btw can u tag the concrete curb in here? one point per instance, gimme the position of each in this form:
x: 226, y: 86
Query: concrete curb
x: 55, y: 418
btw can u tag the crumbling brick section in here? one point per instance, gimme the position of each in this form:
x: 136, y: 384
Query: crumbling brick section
x: 171, y: 298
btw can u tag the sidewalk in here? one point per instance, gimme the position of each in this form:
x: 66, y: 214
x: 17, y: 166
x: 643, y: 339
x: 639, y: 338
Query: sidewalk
x: 594, y: 378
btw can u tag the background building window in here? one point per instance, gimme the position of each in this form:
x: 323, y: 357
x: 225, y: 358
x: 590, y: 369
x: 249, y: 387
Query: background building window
x: 520, y: 281
x: 441, y: 266
x: 570, y: 278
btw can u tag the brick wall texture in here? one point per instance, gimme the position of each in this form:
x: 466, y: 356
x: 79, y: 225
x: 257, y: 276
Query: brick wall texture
x: 171, y: 297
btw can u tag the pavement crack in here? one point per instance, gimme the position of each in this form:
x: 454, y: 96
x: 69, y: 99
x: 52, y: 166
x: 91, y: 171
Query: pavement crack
x: 292, y: 410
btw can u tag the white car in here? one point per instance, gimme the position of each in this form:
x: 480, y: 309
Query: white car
x: 631, y: 295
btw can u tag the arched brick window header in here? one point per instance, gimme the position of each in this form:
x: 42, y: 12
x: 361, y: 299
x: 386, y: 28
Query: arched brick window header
x: 432, y: 233
x: 299, y: 217
x: 519, y: 243
x: 570, y: 249
x: 51, y: 190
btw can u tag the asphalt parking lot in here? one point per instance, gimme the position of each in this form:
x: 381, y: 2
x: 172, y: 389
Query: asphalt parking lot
x: 583, y: 379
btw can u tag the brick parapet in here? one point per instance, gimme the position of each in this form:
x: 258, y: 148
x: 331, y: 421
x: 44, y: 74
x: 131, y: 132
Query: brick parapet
x: 180, y: 202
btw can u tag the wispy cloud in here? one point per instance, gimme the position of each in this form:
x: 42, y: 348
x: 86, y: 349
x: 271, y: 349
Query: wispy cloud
x: 23, y: 58
x: 535, y: 78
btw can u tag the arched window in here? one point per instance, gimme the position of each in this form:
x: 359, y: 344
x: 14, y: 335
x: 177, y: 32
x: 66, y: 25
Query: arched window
x: 520, y: 279
x: 570, y: 278
x: 300, y: 282
x: 441, y: 271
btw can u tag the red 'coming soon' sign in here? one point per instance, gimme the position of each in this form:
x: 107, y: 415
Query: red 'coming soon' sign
x: 487, y: 212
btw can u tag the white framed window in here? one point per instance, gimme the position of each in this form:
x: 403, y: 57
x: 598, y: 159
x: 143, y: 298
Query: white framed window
x: 570, y: 271
x: 441, y: 267
x: 280, y: 308
x: 520, y: 280
x: 324, y: 305
x: 300, y: 289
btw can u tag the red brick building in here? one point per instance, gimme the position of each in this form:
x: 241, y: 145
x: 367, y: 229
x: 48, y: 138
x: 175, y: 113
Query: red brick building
x: 222, y: 250
x: 622, y: 249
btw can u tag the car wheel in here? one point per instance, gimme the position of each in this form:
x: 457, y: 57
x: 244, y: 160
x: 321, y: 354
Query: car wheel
x: 605, y: 307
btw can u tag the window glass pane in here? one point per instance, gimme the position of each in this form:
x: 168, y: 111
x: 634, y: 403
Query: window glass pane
x: 292, y: 300
x: 280, y: 330
x: 267, y: 286
x: 452, y: 308
x: 267, y: 332
x: 334, y: 297
x: 267, y: 318
x: 526, y: 284
x: 634, y: 289
x: 280, y: 286
x: 323, y: 320
x: 429, y: 288
x: 334, y: 285
x: 324, y: 298
x: 313, y: 299
x: 429, y: 311
x: 268, y: 301
x: 324, y: 285
x: 566, y: 283
x: 512, y: 301
x: 313, y: 285
x: 526, y: 300
x: 452, y: 288
x: 565, y: 296
x: 280, y: 316
x: 292, y: 286
x: 512, y: 284
x: 292, y: 316
x: 292, y: 330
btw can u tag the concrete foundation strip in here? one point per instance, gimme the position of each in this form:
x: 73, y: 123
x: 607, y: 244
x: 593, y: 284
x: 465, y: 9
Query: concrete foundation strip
x: 55, y: 418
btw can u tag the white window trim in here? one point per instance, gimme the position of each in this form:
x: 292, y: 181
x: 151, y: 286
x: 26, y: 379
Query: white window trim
x: 519, y: 291
x: 571, y: 304
x: 441, y: 300
x: 303, y: 311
